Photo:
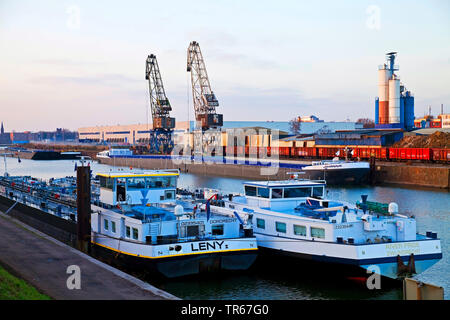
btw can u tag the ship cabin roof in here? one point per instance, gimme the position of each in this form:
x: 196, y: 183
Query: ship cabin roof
x: 136, y: 174
x: 285, y: 183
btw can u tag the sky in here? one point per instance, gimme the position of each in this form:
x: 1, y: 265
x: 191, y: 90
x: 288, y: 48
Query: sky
x: 74, y: 64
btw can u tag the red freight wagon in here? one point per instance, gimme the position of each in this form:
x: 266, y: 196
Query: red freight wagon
x: 327, y: 152
x: 366, y: 153
x: 409, y: 153
x: 305, y: 152
x: 441, y: 155
x: 397, y: 153
x: 418, y: 153
x: 285, y: 151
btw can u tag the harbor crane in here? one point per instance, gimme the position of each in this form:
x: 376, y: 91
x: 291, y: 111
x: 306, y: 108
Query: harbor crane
x: 205, y: 101
x: 161, y: 140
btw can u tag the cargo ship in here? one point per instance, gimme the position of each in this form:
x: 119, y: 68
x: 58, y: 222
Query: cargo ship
x: 294, y: 220
x: 338, y: 171
x: 43, y: 154
x: 140, y: 224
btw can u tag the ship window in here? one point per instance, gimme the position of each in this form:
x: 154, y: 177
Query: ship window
x: 263, y: 192
x: 170, y: 194
x: 260, y: 223
x: 150, y: 182
x: 297, y: 192
x: 192, y: 231
x: 136, y: 183
x: 317, y: 192
x: 105, y: 224
x: 250, y: 191
x: 113, y: 226
x: 128, y: 233
x: 135, y: 234
x: 277, y: 193
x: 158, y: 182
x: 106, y: 182
x: 299, y: 230
x: 172, y: 182
x: 280, y: 227
x: 317, y: 232
x: 217, y: 230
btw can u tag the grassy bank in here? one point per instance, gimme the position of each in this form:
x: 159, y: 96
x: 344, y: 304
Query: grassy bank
x: 12, y: 288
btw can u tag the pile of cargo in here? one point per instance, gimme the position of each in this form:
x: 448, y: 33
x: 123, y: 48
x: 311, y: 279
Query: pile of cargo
x: 436, y: 140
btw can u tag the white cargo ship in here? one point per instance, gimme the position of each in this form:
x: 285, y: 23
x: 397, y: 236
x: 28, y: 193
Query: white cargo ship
x: 293, y: 218
x: 338, y: 171
x: 140, y: 223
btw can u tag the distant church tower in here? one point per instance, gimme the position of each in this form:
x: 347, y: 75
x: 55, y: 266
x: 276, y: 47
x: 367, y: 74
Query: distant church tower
x: 2, y: 130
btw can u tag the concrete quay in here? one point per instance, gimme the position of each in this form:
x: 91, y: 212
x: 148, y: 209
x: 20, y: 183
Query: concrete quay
x: 43, y: 262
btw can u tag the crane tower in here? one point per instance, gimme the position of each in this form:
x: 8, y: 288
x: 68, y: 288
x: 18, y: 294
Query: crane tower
x: 161, y: 135
x: 205, y: 101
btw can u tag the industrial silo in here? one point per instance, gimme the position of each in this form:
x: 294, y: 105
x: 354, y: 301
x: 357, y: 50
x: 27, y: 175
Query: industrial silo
x: 394, y: 100
x: 409, y: 110
x: 384, y: 75
x: 377, y: 100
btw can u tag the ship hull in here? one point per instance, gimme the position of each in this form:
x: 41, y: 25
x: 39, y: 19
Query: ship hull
x: 385, y: 266
x: 178, y: 265
x: 339, y: 176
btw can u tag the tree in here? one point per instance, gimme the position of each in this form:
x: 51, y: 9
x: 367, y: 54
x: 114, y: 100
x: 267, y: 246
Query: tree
x: 367, y: 123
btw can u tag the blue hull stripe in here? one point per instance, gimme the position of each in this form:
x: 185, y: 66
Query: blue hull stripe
x: 431, y: 256
x: 356, y: 262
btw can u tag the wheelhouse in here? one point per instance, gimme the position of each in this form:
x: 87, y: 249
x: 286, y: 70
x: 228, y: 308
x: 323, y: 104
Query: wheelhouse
x: 277, y: 194
x: 138, y: 188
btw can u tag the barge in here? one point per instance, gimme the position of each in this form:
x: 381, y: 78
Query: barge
x: 141, y: 224
x: 294, y: 219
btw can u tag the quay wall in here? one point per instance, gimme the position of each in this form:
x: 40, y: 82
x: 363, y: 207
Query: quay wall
x: 414, y: 175
x: 210, y: 169
x: 422, y: 175
x: 54, y: 226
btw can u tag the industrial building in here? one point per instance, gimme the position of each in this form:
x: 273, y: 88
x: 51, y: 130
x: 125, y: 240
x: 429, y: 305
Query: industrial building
x: 140, y: 133
x: 126, y: 134
x: 394, y: 106
x: 428, y: 121
x: 60, y: 135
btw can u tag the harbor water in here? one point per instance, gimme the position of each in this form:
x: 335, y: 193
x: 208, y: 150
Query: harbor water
x: 431, y: 207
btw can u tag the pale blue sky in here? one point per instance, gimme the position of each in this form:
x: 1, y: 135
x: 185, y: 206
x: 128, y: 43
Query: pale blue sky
x: 267, y: 60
